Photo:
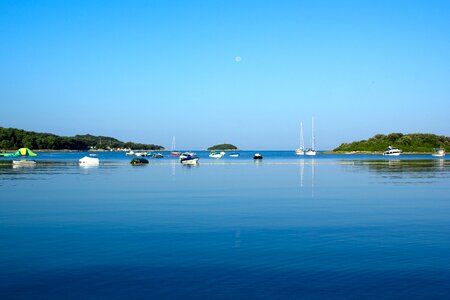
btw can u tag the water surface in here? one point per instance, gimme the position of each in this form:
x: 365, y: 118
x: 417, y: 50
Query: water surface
x: 329, y: 227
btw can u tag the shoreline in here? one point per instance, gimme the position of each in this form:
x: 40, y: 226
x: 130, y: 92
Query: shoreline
x: 319, y: 152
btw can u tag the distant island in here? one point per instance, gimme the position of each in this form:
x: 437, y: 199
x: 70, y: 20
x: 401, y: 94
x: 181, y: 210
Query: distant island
x: 414, y: 142
x: 222, y: 147
x: 12, y: 138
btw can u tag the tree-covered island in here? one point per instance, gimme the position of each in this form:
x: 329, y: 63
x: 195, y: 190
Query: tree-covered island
x: 223, y: 147
x: 414, y: 142
x: 12, y: 138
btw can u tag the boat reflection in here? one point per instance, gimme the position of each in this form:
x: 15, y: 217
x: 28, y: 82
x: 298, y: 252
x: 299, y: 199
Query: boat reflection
x: 312, y: 163
x: 405, y: 171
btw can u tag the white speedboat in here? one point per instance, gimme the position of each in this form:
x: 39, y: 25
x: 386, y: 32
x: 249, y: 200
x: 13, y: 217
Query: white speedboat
x: 189, y: 159
x: 301, y: 150
x: 216, y: 154
x: 89, y: 161
x: 392, y: 151
x: 439, y: 152
x: 130, y: 153
x: 234, y: 155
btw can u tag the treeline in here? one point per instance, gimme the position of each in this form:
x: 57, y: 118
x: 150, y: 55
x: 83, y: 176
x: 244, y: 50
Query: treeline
x: 414, y: 142
x: 222, y: 147
x: 12, y: 138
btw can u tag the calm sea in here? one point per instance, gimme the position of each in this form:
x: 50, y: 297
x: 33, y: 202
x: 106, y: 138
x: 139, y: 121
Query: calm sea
x: 329, y: 227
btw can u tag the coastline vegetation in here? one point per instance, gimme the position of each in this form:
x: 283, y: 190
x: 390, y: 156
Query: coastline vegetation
x: 12, y: 138
x: 414, y: 142
x: 222, y: 147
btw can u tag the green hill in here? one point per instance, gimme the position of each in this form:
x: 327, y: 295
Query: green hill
x: 414, y: 142
x: 222, y: 147
x: 12, y: 138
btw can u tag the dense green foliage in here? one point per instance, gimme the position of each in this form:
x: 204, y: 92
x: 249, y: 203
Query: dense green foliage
x: 414, y: 142
x: 12, y: 138
x: 222, y: 147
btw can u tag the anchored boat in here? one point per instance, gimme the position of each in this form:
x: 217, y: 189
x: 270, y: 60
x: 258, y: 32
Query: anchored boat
x: 216, y: 154
x: 301, y: 150
x: 189, y: 158
x: 439, y: 152
x: 392, y: 151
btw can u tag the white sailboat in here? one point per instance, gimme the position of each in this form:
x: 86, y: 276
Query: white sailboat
x: 312, y: 150
x: 301, y: 150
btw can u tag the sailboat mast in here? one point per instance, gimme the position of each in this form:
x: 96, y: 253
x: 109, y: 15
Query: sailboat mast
x: 302, y: 144
x: 312, y: 135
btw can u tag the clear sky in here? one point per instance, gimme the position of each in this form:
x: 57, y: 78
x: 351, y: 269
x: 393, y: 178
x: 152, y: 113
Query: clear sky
x: 243, y: 72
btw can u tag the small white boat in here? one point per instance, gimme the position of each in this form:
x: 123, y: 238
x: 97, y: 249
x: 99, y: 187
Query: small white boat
x: 189, y: 159
x: 234, y: 155
x: 392, y: 151
x: 23, y: 163
x: 89, y: 161
x: 439, y: 152
x: 130, y: 153
x: 216, y: 154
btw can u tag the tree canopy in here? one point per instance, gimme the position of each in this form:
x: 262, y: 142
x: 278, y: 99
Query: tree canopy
x: 12, y: 138
x: 222, y: 147
x: 414, y: 142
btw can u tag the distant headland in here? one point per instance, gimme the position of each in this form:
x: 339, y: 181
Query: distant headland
x: 223, y: 147
x: 412, y: 143
x: 12, y: 138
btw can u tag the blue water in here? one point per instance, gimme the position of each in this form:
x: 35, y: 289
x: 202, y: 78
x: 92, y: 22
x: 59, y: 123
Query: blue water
x: 329, y: 227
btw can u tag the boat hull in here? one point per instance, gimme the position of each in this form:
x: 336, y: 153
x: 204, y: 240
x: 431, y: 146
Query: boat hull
x: 89, y: 161
x: 189, y: 161
x: 300, y: 152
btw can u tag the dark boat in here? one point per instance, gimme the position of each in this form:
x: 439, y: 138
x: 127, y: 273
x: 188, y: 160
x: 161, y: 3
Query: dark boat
x: 138, y: 161
x: 257, y: 156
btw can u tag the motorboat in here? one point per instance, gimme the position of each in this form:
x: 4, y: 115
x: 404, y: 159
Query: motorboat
x: 89, y: 161
x: 216, y: 154
x: 257, y: 156
x: 143, y: 153
x: 234, y: 155
x: 439, y: 152
x: 157, y: 155
x: 138, y: 161
x: 186, y: 154
x: 189, y: 159
x: 392, y: 151
x: 130, y: 153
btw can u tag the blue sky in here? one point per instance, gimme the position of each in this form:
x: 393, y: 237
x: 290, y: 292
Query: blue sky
x: 148, y: 70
